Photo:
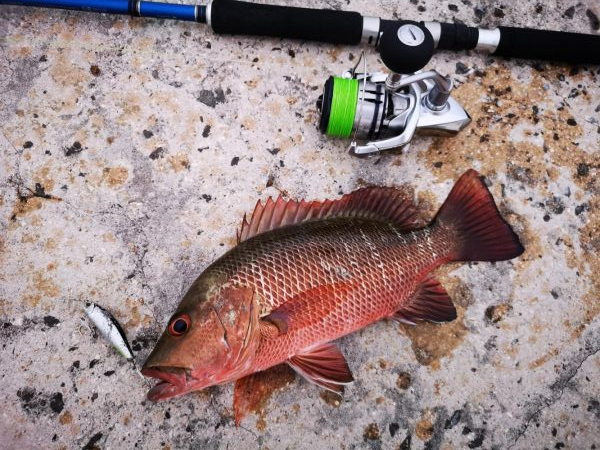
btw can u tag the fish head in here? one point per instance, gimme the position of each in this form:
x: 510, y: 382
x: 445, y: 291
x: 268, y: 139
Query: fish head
x: 208, y: 341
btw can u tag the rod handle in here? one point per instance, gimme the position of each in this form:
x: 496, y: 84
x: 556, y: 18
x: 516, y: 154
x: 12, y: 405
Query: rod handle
x: 561, y: 46
x: 324, y: 25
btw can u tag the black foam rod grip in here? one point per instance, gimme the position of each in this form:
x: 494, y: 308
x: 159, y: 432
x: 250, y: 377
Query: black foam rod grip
x: 325, y: 25
x: 549, y: 45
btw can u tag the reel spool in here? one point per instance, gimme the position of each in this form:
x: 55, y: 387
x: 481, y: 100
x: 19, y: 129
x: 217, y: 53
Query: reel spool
x: 386, y: 110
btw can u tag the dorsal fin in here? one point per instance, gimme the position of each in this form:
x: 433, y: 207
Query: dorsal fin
x: 386, y: 204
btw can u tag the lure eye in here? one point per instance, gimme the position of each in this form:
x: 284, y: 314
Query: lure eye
x: 179, y: 325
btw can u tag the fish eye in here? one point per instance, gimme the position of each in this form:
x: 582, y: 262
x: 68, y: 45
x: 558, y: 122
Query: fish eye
x: 179, y: 325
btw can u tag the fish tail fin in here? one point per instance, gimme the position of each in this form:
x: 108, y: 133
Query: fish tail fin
x: 473, y: 217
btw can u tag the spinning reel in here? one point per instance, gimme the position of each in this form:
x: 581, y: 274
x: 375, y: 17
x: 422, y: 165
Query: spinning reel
x: 386, y: 110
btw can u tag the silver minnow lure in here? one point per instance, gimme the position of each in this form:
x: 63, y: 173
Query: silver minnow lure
x: 109, y: 328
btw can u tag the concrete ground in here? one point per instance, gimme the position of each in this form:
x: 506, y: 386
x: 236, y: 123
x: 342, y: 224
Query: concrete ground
x: 131, y: 148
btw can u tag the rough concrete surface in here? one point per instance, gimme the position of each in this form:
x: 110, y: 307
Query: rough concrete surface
x: 131, y: 148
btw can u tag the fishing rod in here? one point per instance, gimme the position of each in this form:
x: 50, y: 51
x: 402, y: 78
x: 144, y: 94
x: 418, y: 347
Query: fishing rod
x: 346, y: 27
x: 384, y: 109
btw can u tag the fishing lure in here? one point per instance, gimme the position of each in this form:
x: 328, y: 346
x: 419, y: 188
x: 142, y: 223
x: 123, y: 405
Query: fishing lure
x: 109, y: 328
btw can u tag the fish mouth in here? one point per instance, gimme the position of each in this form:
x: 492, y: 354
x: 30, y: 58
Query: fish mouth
x: 174, y: 381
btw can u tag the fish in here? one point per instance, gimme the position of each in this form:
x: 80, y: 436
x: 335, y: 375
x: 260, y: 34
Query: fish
x: 304, y: 274
x: 109, y: 328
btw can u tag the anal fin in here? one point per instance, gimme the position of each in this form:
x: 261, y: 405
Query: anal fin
x: 429, y: 302
x: 324, y: 366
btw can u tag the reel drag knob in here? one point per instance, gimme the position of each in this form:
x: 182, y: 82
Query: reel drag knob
x: 406, y: 46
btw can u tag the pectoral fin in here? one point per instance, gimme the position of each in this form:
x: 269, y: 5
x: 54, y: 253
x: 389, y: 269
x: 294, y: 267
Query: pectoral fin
x: 325, y: 366
x: 429, y: 302
x: 275, y: 323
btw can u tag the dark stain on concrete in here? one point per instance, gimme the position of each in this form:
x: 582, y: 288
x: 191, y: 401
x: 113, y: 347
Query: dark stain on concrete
x: 40, y: 403
x: 158, y: 153
x: 51, y: 321
x: 74, y: 149
x: 91, y: 444
x: 211, y: 98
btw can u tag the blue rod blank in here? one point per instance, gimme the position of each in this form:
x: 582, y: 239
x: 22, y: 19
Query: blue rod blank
x: 135, y: 8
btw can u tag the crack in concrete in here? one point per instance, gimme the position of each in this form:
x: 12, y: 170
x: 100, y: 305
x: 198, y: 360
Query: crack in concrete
x: 15, y: 179
x: 558, y: 387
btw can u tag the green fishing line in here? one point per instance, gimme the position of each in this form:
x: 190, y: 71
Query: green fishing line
x: 343, y: 107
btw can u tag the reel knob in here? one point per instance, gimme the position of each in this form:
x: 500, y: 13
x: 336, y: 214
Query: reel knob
x: 406, y: 46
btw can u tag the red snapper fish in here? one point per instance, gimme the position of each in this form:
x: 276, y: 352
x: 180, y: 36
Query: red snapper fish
x: 306, y: 273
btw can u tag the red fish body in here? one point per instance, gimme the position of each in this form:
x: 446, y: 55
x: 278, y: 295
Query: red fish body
x: 305, y: 274
x: 338, y: 276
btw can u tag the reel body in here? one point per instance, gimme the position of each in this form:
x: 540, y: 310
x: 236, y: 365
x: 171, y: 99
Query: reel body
x: 386, y: 110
